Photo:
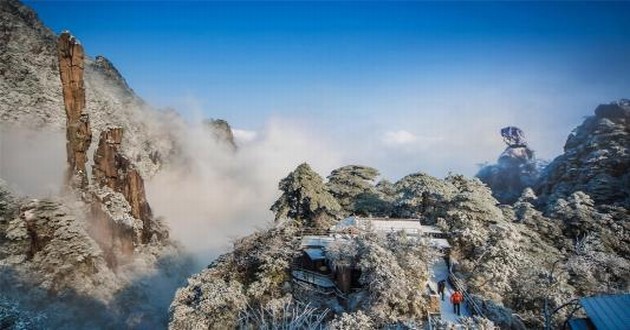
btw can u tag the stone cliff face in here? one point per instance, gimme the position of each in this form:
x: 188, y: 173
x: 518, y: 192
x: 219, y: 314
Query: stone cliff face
x: 109, y: 71
x: 596, y: 159
x: 82, y: 261
x: 31, y: 95
x: 113, y: 170
x: 78, y: 133
x: 47, y: 242
x: 221, y: 132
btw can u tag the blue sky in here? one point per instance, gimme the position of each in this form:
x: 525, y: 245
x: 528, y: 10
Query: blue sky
x: 402, y: 86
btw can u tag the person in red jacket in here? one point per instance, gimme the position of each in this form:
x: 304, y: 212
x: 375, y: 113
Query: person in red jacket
x: 456, y: 299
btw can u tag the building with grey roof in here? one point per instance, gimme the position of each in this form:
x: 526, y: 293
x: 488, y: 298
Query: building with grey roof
x: 610, y: 312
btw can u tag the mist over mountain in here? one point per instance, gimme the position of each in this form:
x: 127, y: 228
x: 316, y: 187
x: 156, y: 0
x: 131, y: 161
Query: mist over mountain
x: 504, y: 251
x: 117, y: 214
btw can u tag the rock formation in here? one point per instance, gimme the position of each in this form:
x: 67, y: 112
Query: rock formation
x: 221, y: 132
x: 47, y: 238
x: 31, y: 95
x: 29, y: 76
x: 86, y: 261
x: 78, y: 133
x: 109, y: 71
x: 596, y: 159
x: 515, y: 169
x: 112, y: 169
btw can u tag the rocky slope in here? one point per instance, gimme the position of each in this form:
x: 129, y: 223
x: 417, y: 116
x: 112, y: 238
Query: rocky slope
x: 31, y: 93
x: 87, y: 257
x: 596, y: 159
x: 56, y: 267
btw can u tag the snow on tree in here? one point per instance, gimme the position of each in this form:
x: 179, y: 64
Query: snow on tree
x: 594, y: 270
x: 394, y: 290
x: 496, y: 316
x: 378, y: 202
x: 604, y: 239
x: 207, y: 302
x: 352, y: 321
x: 284, y: 313
x: 501, y: 260
x: 257, y: 270
x: 348, y: 182
x: 386, y: 189
x: 306, y: 199
x: 420, y: 195
x: 17, y: 317
x: 470, y: 213
x: 413, y: 255
x: 477, y: 323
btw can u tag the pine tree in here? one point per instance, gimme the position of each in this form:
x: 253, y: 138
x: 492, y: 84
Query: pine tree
x: 306, y: 199
x: 347, y: 183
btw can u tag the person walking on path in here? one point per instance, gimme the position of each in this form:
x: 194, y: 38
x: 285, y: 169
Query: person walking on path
x: 441, y: 287
x: 456, y: 299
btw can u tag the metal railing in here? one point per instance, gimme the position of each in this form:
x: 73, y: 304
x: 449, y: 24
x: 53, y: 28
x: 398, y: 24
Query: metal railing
x: 334, y: 289
x: 459, y: 285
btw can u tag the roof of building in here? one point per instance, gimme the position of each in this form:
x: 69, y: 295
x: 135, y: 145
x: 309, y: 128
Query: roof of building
x: 319, y: 240
x: 385, y: 225
x: 608, y: 312
x: 315, y: 254
x: 439, y: 243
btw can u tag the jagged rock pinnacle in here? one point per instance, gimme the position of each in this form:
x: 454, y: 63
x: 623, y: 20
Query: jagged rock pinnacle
x: 112, y: 169
x: 78, y: 133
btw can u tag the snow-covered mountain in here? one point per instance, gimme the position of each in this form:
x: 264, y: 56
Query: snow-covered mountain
x: 30, y: 90
x: 570, y: 242
x: 87, y: 256
x: 95, y: 257
x: 596, y: 159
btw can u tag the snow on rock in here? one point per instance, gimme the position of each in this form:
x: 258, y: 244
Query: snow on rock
x: 31, y: 92
x: 53, y: 267
x: 115, y: 171
x: 54, y: 250
x: 595, y: 161
x: 207, y: 302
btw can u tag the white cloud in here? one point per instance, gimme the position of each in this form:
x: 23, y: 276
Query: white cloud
x: 216, y: 195
x: 244, y: 136
x: 399, y: 137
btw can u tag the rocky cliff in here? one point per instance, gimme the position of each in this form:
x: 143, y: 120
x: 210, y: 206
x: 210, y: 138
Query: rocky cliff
x: 113, y: 174
x: 221, y: 132
x: 83, y: 258
x: 31, y: 93
x: 596, y: 159
x: 78, y: 132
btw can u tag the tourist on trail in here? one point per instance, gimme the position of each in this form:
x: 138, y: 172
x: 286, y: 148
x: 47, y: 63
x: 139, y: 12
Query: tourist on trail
x: 441, y: 287
x: 456, y: 299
